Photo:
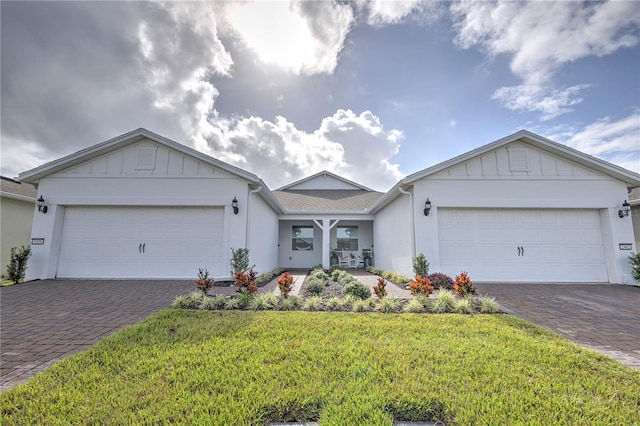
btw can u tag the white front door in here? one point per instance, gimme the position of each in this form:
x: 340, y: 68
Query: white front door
x: 535, y: 245
x: 141, y: 242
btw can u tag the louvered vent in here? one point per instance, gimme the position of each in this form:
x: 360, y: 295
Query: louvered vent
x: 146, y: 158
x: 518, y: 161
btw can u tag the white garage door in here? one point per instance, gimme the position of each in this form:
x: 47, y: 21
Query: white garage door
x: 141, y: 242
x: 522, y: 245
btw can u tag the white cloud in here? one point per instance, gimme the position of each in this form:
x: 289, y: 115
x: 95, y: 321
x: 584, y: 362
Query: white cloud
x: 300, y: 37
x: 617, y: 141
x: 541, y: 37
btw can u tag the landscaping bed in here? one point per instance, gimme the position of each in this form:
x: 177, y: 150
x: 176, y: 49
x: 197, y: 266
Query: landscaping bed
x: 241, y: 367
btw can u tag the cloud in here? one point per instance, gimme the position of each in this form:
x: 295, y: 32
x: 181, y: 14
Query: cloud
x: 541, y: 37
x: 617, y: 141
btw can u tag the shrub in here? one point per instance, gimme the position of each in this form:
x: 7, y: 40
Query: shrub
x: 181, y: 302
x: 463, y: 306
x: 313, y: 303
x: 440, y: 280
x: 204, y: 282
x: 188, y: 301
x: 374, y: 271
x: 463, y: 285
x: 360, y: 305
x: 321, y: 275
x: 334, y: 303
x: 388, y: 305
x: 232, y: 303
x: 414, y: 305
x: 219, y: 302
x: 447, y: 298
x: 244, y: 299
x: 314, y: 286
x: 439, y: 307
x: 420, y: 265
x: 206, y: 303
x: 246, y: 282
x: 421, y: 285
x: 239, y: 260
x: 634, y: 260
x: 290, y: 303
x: 396, y: 278
x: 18, y: 263
x: 263, y: 302
x: 334, y: 268
x: 285, y: 282
x: 380, y: 289
x: 267, y: 276
x: 488, y: 305
x: 358, y: 290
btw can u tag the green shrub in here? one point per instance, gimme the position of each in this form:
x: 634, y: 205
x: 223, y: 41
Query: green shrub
x: 414, y: 306
x: 291, y: 303
x: 267, y: 276
x: 488, y: 305
x: 334, y: 268
x: 232, y: 303
x: 447, y: 298
x: 263, y: 302
x: 358, y: 290
x: 634, y: 260
x: 313, y: 303
x: 18, y: 263
x: 420, y: 265
x: 320, y: 274
x: 190, y: 300
x: 206, y: 303
x: 463, y: 306
x: 396, y: 278
x: 181, y: 302
x: 334, y: 303
x: 239, y: 261
x: 374, y: 271
x: 315, y: 286
x: 219, y: 302
x: 244, y: 299
x: 360, y: 305
x: 439, y: 307
x: 388, y: 305
x: 440, y: 280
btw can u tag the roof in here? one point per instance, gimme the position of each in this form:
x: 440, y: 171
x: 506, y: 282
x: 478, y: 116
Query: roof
x: 315, y: 200
x: 324, y: 173
x: 630, y: 178
x: 634, y: 197
x: 14, y: 189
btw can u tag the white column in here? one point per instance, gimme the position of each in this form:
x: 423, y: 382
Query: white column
x: 326, y: 225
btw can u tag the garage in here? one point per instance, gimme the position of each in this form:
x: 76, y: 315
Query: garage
x: 141, y: 242
x: 540, y: 245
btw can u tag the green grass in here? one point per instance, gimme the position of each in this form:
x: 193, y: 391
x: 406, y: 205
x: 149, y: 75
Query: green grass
x: 240, y: 368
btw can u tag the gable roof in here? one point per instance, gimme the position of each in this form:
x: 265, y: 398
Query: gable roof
x: 327, y: 200
x: 324, y: 173
x: 20, y: 191
x: 630, y: 178
x: 34, y: 175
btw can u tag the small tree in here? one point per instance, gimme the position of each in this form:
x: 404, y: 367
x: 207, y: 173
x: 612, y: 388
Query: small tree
x: 634, y: 260
x: 18, y: 263
x: 420, y: 265
x: 239, y: 260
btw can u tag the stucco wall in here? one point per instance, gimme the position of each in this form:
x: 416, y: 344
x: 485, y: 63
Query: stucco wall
x: 288, y: 258
x: 392, y: 237
x: 15, y: 225
x: 262, y: 235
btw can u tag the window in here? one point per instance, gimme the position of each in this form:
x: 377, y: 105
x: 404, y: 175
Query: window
x: 302, y: 238
x: 348, y: 238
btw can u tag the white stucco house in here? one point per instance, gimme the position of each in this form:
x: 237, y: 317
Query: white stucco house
x: 520, y: 209
x: 16, y: 215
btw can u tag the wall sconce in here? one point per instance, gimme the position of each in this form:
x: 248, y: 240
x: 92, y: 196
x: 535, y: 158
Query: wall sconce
x: 234, y: 204
x: 626, y: 208
x: 427, y: 207
x: 41, y: 206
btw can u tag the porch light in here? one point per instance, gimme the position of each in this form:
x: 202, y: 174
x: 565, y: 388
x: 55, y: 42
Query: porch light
x: 41, y: 206
x: 234, y: 204
x: 427, y: 207
x: 626, y: 208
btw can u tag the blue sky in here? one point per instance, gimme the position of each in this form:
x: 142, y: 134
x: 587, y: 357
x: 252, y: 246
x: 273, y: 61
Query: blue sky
x: 369, y: 90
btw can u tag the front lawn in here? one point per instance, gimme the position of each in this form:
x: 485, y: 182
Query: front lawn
x: 240, y: 367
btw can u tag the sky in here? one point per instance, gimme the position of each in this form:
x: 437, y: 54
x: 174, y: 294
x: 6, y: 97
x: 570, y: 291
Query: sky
x: 369, y: 90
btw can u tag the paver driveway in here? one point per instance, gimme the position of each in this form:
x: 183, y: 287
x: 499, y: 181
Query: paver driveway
x: 603, y: 317
x: 45, y: 321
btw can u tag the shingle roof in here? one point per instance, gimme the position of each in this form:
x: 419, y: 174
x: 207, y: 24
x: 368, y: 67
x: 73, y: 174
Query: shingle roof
x: 12, y: 187
x: 327, y: 200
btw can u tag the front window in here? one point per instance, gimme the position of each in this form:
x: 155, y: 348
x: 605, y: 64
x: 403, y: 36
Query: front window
x: 302, y: 238
x: 348, y: 238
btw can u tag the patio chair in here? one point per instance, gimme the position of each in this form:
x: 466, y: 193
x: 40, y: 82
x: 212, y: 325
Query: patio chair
x: 344, y: 260
x: 358, y: 262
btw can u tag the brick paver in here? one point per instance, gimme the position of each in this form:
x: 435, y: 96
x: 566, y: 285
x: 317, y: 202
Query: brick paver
x: 44, y: 321
x: 602, y: 317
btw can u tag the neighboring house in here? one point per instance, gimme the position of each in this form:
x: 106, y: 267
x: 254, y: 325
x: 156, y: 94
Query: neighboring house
x: 634, y: 200
x: 522, y: 208
x: 17, y: 201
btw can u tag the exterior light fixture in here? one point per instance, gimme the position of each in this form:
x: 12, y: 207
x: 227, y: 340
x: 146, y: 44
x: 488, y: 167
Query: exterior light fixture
x: 41, y: 206
x: 427, y: 207
x: 234, y: 204
x: 626, y: 208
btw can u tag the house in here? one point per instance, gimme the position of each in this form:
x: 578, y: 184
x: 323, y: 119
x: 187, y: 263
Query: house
x: 634, y: 201
x: 522, y: 208
x: 17, y: 201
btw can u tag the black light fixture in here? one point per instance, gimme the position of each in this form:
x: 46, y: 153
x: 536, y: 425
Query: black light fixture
x: 626, y: 208
x: 427, y: 207
x: 234, y: 204
x: 41, y: 206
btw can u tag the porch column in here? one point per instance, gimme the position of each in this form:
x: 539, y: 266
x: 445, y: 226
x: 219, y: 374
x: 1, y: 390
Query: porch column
x: 325, y: 225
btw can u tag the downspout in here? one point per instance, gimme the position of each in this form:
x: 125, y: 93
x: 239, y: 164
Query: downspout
x: 246, y: 236
x: 413, y: 223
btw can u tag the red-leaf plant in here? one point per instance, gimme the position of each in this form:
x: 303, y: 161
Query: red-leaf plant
x: 285, y: 283
x: 421, y: 285
x: 246, y: 282
x: 380, y: 289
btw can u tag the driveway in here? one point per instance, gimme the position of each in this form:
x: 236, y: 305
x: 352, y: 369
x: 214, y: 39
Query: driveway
x: 45, y: 321
x: 602, y: 317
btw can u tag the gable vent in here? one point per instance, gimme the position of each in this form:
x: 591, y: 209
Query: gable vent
x: 146, y: 158
x: 518, y: 161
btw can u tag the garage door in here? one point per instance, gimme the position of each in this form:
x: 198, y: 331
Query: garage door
x: 149, y: 242
x: 522, y: 245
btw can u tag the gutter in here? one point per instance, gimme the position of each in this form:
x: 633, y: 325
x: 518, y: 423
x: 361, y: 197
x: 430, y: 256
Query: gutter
x: 413, y: 222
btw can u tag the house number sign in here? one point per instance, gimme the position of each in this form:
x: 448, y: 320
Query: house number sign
x: 625, y: 246
x: 37, y: 241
